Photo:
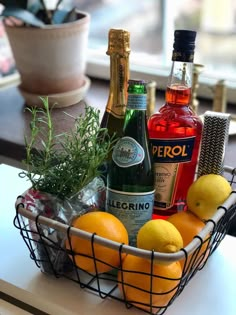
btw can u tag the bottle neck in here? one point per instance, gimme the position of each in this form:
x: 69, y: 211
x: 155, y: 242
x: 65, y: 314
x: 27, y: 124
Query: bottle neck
x: 178, y: 92
x: 136, y: 110
x: 119, y: 76
x: 137, y: 102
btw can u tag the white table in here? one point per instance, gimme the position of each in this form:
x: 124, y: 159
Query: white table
x: 211, y: 291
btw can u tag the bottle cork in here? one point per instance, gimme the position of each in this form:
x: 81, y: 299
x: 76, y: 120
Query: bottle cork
x: 219, y: 102
x: 151, y: 98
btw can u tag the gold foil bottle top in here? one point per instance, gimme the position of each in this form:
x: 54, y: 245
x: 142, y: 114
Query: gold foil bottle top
x: 118, y: 42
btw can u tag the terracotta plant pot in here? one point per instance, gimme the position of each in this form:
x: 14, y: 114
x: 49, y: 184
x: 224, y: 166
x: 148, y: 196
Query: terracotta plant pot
x: 51, y: 60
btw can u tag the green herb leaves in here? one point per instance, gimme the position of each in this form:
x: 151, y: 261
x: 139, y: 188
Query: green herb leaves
x: 67, y: 162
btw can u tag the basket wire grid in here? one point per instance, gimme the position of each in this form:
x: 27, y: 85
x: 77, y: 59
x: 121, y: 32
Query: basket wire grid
x: 54, y: 259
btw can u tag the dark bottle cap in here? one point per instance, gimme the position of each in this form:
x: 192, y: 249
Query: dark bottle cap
x: 184, y: 45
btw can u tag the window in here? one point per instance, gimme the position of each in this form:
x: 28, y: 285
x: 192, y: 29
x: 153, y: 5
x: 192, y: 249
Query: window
x: 151, y: 24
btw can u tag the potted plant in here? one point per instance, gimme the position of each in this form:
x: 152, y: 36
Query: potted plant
x: 49, y: 48
x: 65, y: 174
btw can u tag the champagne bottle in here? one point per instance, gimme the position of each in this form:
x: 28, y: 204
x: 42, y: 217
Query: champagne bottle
x: 118, y: 50
x: 130, y: 191
x: 175, y: 132
x: 113, y: 117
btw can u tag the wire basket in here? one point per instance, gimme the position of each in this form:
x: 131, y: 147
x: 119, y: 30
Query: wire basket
x: 52, y: 257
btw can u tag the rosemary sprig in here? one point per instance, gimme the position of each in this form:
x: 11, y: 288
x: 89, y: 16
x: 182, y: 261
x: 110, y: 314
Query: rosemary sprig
x: 67, y: 162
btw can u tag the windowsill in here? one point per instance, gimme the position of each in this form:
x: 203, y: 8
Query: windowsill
x: 14, y: 120
x: 98, y: 67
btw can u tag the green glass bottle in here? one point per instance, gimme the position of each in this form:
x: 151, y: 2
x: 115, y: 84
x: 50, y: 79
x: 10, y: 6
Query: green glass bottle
x: 118, y: 50
x: 130, y: 181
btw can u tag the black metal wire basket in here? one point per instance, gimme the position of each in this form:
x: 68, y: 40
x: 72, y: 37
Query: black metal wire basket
x: 53, y: 257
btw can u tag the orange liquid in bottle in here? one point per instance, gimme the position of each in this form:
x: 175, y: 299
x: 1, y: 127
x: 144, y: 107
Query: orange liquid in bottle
x: 177, y: 125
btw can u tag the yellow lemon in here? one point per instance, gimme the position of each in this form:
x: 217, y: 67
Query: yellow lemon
x: 159, y: 235
x: 206, y: 194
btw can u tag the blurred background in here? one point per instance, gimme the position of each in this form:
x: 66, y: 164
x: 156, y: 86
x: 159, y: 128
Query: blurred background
x: 152, y: 24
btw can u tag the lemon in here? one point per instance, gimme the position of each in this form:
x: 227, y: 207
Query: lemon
x: 206, y: 194
x: 159, y: 235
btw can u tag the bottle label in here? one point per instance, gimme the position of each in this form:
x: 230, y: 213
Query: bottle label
x: 165, y: 178
x: 137, y: 101
x: 187, y: 56
x: 172, y: 150
x: 168, y: 155
x: 133, y: 209
x: 128, y: 152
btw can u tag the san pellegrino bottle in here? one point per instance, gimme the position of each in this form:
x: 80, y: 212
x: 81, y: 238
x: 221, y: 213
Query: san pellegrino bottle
x: 118, y: 50
x: 130, y: 181
x: 175, y: 132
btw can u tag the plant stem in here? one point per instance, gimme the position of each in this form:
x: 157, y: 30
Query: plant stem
x: 47, y: 12
x: 67, y: 162
x: 50, y: 130
x: 57, y: 5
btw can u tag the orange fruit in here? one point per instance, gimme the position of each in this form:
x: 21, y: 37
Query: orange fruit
x: 189, y: 225
x: 105, y: 225
x: 139, y: 287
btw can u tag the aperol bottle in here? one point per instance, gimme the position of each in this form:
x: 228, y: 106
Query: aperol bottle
x: 130, y: 193
x: 175, y: 132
